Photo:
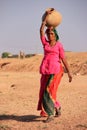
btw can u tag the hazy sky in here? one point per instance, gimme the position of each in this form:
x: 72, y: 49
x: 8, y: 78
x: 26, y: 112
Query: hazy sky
x: 20, y: 21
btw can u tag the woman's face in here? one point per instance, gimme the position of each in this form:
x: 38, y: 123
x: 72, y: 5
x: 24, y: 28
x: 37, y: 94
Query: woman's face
x: 51, y: 35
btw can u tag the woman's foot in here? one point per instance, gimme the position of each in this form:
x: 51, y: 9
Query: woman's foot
x: 58, y: 112
x: 50, y: 118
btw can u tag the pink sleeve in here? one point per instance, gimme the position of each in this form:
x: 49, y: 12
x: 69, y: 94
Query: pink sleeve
x: 43, y: 40
x: 61, y: 51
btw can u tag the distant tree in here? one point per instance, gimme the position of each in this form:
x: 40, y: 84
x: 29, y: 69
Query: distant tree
x: 6, y: 55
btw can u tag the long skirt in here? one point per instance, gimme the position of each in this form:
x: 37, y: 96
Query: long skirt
x: 48, y: 93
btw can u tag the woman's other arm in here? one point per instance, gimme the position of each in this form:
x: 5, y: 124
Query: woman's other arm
x: 67, y: 68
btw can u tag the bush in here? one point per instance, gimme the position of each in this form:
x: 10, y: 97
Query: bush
x: 6, y: 54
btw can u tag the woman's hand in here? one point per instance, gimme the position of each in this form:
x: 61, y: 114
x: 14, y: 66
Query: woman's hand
x: 49, y: 11
x: 70, y: 76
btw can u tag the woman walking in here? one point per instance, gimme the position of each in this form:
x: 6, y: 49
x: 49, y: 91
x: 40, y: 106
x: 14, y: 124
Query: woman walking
x: 51, y: 71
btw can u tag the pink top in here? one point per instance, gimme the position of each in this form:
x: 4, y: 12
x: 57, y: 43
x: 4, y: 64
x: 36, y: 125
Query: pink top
x: 52, y: 55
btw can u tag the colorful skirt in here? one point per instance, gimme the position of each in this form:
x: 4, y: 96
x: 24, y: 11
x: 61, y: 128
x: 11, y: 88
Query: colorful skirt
x: 48, y: 93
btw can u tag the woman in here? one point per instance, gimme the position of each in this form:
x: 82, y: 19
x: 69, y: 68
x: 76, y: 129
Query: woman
x: 51, y: 70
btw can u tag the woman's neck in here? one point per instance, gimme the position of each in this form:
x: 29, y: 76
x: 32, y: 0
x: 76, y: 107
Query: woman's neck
x: 52, y: 43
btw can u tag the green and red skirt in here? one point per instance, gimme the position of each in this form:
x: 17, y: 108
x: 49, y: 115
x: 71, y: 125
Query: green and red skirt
x: 48, y: 93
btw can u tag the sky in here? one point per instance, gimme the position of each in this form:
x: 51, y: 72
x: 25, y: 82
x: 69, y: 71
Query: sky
x: 20, y: 21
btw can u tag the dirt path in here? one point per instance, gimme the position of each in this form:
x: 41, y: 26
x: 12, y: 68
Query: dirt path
x: 19, y: 96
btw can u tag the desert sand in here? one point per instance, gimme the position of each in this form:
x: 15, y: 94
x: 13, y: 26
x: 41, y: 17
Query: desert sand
x: 19, y: 90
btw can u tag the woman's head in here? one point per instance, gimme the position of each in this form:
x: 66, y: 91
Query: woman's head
x: 52, y: 33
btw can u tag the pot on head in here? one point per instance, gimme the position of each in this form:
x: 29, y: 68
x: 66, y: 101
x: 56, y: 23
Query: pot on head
x: 53, y: 19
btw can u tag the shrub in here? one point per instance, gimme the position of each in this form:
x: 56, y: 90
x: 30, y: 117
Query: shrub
x: 5, y: 55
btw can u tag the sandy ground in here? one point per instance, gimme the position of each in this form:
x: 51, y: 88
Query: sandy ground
x: 19, y: 90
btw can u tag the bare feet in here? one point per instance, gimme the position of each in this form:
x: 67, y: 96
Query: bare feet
x: 49, y: 118
x: 58, y: 112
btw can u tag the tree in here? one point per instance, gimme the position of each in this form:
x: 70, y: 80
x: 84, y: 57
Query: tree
x: 6, y: 55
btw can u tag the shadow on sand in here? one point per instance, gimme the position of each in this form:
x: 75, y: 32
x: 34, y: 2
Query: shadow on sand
x: 24, y: 118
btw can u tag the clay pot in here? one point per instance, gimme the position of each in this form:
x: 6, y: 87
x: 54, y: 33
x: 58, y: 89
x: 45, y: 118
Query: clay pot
x: 53, y: 19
